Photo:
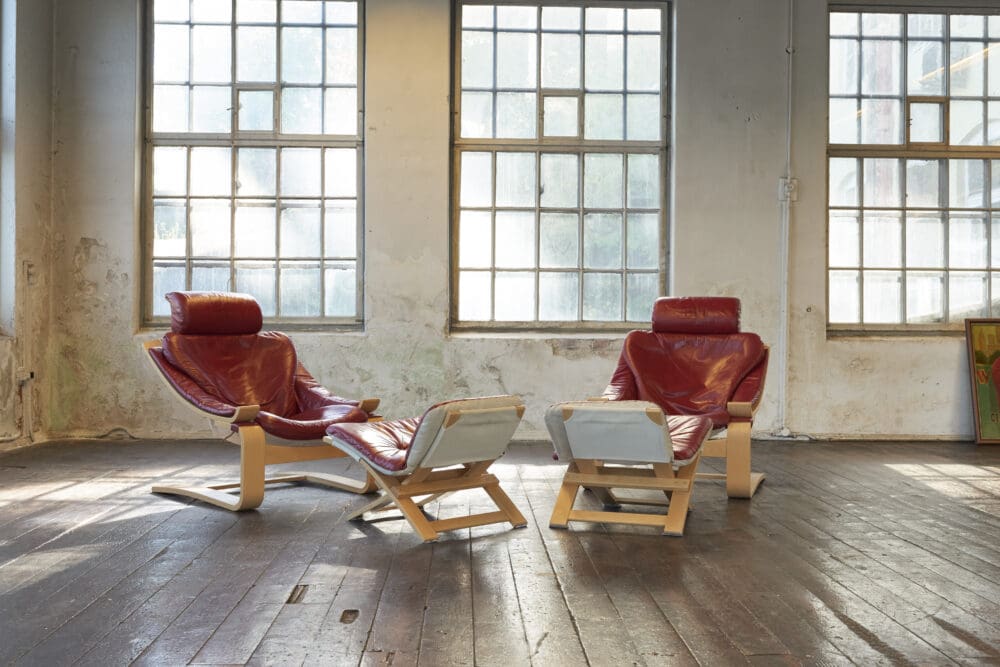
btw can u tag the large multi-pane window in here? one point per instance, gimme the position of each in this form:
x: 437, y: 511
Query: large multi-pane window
x: 560, y: 157
x: 253, y: 154
x: 914, y: 169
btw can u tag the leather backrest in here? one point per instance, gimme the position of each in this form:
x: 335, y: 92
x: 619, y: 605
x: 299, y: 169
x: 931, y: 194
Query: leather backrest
x: 214, y: 313
x: 249, y: 369
x: 691, y: 374
x: 696, y: 315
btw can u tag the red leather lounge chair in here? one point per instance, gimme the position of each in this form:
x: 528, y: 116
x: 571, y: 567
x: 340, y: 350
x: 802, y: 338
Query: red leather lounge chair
x: 217, y: 361
x: 696, y: 361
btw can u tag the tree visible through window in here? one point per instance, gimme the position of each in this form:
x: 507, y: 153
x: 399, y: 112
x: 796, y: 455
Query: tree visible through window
x: 560, y: 155
x: 253, y: 154
x: 914, y: 168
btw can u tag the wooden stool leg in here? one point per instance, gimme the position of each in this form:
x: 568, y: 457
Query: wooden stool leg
x: 680, y: 500
x: 506, y: 505
x: 564, y: 501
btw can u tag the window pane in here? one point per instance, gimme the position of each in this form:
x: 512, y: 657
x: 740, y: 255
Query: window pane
x: 967, y: 295
x: 881, y: 25
x: 967, y: 123
x: 925, y: 25
x: 881, y: 180
x: 881, y: 121
x: 169, y: 171
x: 342, y: 56
x: 926, y: 122
x: 256, y: 110
x: 210, y: 228
x: 211, y: 11
x: 300, y: 231
x: 477, y: 115
x: 515, y: 240
x: 604, y: 62
x: 560, y: 180
x: 210, y: 108
x: 643, y: 62
x: 341, y: 237
x: 169, y: 228
x: 844, y: 66
x: 642, y: 118
x: 256, y: 231
x: 301, y: 111
x: 475, y: 240
x: 925, y: 68
x: 254, y: 11
x: 561, y: 18
x: 477, y: 179
x: 301, y: 11
x: 644, y: 19
x: 924, y: 240
x: 558, y: 296
x: 603, y: 117
x: 560, y: 117
x: 559, y: 240
x: 341, y: 111
x: 256, y: 172
x: 845, y: 302
x: 605, y: 19
x: 967, y: 242
x: 516, y: 115
x: 845, y: 237
x: 167, y: 277
x: 170, y: 109
x: 210, y: 54
x: 883, y: 239
x: 643, y: 241
x: 477, y: 59
x: 302, y: 55
x: 643, y: 181
x: 300, y: 172
x: 515, y: 296
x: 843, y: 182
x: 883, y: 297
x: 602, y: 241
x: 516, y: 64
x: 258, y: 280
x: 642, y: 292
x: 255, y: 54
x: 517, y: 17
x: 341, y: 285
x: 516, y: 179
x: 341, y: 172
x: 602, y: 180
x: 966, y: 70
x: 211, y: 171
x: 924, y: 297
x: 474, y: 295
x: 210, y: 276
x: 170, y: 53
x: 602, y: 296
x: 923, y: 183
x: 560, y: 61
x: 300, y: 283
x: 845, y: 126
x: 967, y: 183
x: 880, y: 66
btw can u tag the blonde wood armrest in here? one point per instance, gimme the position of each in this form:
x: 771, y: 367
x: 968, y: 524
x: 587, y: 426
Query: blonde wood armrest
x: 746, y: 410
x: 369, y: 404
x: 598, y: 398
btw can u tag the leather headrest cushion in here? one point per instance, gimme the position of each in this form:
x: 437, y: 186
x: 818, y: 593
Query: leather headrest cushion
x: 214, y: 313
x: 696, y: 315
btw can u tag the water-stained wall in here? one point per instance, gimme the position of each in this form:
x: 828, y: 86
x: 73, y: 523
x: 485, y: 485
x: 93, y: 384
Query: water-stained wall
x: 730, y: 130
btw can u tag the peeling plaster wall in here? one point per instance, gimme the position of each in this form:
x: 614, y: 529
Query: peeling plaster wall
x: 728, y: 150
x: 25, y: 183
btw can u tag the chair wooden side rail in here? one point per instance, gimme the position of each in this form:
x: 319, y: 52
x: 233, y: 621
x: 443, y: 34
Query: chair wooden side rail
x: 450, y: 448
x: 626, y: 445
x: 296, y: 411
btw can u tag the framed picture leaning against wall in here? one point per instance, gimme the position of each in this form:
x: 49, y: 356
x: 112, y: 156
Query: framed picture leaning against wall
x: 982, y: 337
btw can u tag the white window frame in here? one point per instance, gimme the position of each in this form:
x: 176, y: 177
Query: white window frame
x: 275, y: 139
x: 941, y: 151
x: 554, y: 145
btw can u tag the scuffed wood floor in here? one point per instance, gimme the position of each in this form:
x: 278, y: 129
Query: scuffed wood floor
x: 850, y: 553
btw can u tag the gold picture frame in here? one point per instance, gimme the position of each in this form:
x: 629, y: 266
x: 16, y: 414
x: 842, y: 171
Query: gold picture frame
x: 982, y: 338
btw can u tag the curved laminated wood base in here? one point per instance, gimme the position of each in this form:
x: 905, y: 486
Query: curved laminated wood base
x: 255, y: 454
x: 741, y: 482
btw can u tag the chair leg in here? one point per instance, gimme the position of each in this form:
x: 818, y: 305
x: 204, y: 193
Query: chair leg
x: 606, y: 496
x: 251, y: 484
x: 506, y: 505
x: 564, y: 501
x: 740, y: 481
x: 680, y: 499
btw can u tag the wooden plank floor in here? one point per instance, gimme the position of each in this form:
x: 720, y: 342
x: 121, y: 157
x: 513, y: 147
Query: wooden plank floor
x: 851, y: 553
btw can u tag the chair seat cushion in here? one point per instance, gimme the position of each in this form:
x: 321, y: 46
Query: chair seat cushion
x: 687, y: 435
x: 383, y: 443
x: 310, y: 424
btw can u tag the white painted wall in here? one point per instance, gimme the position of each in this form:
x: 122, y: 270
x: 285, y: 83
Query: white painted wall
x: 729, y: 151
